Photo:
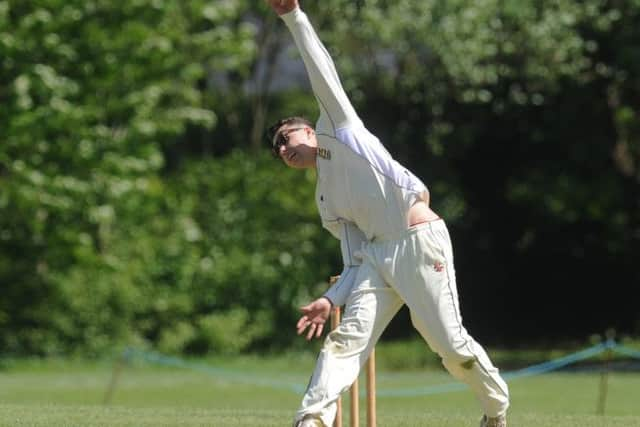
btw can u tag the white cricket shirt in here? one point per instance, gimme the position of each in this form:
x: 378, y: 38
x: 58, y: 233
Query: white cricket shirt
x: 362, y: 193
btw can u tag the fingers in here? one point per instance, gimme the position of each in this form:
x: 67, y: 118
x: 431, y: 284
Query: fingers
x: 315, y: 329
x: 302, y: 324
x: 305, y: 323
x: 311, y: 331
x: 314, y: 315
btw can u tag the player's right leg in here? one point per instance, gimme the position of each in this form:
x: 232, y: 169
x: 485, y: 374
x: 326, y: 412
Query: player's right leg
x: 370, y: 307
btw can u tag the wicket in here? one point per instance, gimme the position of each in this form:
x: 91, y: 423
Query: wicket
x: 354, y: 391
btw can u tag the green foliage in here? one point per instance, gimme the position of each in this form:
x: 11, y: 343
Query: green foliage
x: 91, y: 93
x: 232, y: 331
x: 476, y: 44
x: 230, y: 243
x: 127, y: 214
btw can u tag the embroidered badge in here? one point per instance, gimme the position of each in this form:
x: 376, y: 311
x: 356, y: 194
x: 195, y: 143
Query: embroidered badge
x: 324, y: 153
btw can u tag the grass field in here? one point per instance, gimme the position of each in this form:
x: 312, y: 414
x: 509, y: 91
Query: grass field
x: 252, y: 392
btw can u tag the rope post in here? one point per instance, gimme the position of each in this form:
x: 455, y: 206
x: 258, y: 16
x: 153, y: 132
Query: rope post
x: 115, y: 376
x: 604, y: 372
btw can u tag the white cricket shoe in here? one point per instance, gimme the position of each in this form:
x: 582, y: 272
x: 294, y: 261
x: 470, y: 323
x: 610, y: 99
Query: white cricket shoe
x: 500, y: 421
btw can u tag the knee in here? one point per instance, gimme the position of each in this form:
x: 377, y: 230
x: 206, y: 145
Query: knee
x: 458, y: 365
x: 349, y: 338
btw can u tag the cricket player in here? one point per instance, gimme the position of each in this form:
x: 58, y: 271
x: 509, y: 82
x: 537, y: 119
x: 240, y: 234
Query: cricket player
x: 395, y: 249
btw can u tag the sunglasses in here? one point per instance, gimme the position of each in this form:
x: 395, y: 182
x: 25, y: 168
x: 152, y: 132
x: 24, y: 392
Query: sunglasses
x: 282, y: 138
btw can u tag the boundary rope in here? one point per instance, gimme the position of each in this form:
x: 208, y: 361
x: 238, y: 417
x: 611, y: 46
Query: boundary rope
x: 243, y: 378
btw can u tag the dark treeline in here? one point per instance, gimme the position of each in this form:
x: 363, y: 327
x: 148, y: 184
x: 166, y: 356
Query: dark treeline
x: 139, y: 203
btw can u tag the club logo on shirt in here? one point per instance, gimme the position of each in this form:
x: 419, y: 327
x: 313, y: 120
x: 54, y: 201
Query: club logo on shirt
x: 324, y: 153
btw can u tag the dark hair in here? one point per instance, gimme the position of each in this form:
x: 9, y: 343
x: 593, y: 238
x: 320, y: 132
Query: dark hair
x: 272, y: 131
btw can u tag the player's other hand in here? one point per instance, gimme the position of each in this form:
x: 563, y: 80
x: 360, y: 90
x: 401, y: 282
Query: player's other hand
x: 314, y: 316
x: 283, y: 6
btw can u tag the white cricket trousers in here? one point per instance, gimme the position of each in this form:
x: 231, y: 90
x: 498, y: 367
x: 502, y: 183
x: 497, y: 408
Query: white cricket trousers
x: 413, y: 268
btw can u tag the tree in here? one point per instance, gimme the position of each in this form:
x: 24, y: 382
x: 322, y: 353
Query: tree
x: 91, y: 93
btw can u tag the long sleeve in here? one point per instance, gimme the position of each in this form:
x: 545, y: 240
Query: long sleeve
x: 351, y: 239
x: 321, y: 70
x: 340, y: 291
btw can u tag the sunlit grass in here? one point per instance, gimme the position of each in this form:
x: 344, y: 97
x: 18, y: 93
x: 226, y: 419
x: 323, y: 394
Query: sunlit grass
x: 54, y: 393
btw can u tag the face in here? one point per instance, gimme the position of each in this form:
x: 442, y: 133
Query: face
x: 297, y: 146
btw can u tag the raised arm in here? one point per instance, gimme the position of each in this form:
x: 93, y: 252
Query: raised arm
x: 321, y: 70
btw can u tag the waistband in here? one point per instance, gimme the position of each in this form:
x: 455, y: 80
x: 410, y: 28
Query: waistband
x: 435, y: 225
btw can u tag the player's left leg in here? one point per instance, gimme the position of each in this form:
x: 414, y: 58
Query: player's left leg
x: 422, y: 272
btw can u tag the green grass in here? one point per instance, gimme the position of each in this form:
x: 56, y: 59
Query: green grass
x: 59, y: 393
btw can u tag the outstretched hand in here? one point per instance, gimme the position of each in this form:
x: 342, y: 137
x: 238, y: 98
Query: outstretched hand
x: 283, y: 6
x: 314, y: 316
